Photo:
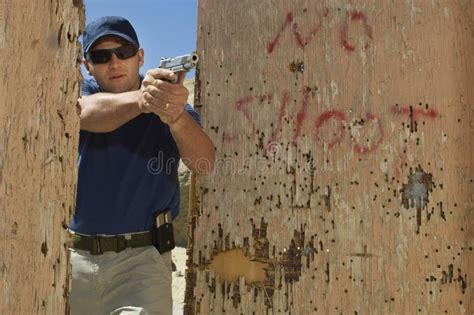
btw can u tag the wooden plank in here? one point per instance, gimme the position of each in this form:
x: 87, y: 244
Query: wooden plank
x: 343, y: 133
x: 39, y: 55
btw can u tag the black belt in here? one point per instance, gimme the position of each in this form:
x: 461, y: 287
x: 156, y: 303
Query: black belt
x: 97, y: 244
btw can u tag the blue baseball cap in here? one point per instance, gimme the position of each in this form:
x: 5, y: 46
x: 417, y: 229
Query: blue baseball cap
x: 108, y: 25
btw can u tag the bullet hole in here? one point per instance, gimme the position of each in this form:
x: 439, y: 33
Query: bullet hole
x: 297, y: 67
x: 44, y: 248
x: 14, y: 228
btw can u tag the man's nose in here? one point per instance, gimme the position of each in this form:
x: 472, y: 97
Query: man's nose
x: 114, y: 60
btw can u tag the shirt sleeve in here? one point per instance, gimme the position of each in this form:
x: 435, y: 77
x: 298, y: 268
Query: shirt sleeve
x: 194, y: 114
x: 89, y: 87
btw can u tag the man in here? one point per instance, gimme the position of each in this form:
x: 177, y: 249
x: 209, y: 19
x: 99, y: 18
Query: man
x: 126, y: 122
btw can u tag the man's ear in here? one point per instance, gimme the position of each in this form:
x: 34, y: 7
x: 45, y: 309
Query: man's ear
x: 87, y: 65
x: 141, y: 56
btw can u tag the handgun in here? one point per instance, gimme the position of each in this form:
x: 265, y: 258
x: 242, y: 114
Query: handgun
x: 179, y: 64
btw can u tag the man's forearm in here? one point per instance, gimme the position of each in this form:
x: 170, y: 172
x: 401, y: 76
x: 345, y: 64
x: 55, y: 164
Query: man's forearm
x: 195, y: 147
x: 105, y: 112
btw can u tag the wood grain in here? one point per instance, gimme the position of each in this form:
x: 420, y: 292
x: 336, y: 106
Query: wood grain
x: 40, y: 85
x: 343, y: 132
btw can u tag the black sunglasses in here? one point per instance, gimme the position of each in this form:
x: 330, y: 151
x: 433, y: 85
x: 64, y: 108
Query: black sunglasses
x: 104, y: 55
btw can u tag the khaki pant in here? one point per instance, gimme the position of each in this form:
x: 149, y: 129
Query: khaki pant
x: 134, y: 281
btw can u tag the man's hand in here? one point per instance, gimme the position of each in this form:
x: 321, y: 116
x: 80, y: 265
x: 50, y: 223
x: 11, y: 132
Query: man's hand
x: 167, y: 100
x: 163, y: 98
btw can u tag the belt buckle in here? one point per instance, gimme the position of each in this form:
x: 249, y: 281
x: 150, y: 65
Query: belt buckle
x: 96, y: 246
x: 121, y: 243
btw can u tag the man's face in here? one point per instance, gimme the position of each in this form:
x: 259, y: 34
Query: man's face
x: 117, y: 75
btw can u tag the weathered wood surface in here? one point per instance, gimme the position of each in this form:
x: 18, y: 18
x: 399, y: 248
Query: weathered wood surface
x: 343, y: 133
x: 180, y: 224
x: 39, y: 133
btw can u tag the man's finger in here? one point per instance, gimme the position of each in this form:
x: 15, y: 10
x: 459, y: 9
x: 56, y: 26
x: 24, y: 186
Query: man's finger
x: 173, y: 88
x: 181, y: 77
x: 164, y: 96
x: 159, y: 73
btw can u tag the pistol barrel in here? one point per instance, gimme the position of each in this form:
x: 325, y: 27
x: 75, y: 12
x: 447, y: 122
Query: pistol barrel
x: 180, y: 63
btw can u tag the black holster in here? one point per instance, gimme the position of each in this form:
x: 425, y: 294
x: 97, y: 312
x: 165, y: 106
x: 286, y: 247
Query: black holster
x: 162, y: 232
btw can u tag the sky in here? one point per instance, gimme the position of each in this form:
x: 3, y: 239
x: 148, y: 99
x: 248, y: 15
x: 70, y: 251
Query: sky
x: 165, y: 28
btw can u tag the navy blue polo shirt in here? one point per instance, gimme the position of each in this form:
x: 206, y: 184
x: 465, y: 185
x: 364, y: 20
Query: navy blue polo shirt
x: 126, y: 175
